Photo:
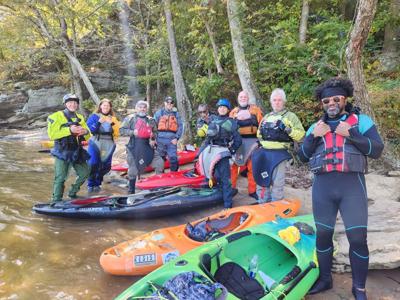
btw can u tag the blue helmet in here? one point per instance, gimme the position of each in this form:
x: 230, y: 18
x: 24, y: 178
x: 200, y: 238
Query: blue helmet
x: 70, y: 97
x: 224, y: 102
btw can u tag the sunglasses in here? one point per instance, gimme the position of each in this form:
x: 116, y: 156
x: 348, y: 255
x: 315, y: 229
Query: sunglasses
x: 170, y: 102
x: 334, y: 98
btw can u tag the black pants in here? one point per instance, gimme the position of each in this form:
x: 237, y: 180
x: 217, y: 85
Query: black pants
x: 344, y: 192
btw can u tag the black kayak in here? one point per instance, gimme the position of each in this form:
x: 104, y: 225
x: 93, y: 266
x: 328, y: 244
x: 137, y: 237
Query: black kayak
x: 147, y: 204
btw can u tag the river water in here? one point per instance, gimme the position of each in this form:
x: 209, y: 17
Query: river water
x: 54, y: 258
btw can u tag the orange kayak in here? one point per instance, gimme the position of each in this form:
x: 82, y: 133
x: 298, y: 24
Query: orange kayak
x: 149, y: 251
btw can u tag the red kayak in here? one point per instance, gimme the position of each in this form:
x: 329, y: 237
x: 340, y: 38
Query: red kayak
x: 184, y: 157
x: 184, y: 177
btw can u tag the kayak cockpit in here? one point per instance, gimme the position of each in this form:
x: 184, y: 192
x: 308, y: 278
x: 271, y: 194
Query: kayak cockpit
x: 210, y: 229
x: 273, y: 263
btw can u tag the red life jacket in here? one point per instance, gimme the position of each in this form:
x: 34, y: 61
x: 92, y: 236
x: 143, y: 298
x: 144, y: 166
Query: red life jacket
x: 144, y: 129
x: 337, y: 153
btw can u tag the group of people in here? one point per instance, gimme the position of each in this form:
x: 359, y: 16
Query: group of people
x: 336, y: 148
x: 150, y: 141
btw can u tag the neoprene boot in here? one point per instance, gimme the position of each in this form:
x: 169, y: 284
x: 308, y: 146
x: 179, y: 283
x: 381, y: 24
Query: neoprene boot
x: 132, y: 184
x: 324, y: 281
x: 359, y: 294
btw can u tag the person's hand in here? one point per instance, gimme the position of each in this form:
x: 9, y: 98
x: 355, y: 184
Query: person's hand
x: 321, y: 129
x: 174, y: 141
x: 135, y: 132
x: 105, y: 119
x: 343, y: 129
x: 82, y: 131
x: 75, y: 129
x: 153, y: 144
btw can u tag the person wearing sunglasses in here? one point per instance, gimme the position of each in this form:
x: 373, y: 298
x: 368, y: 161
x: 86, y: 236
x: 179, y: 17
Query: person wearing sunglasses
x: 170, y: 129
x: 337, y: 147
x: 205, y: 117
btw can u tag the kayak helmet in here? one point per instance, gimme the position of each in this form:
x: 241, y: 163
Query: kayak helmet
x: 70, y: 97
x: 224, y: 102
x: 169, y: 99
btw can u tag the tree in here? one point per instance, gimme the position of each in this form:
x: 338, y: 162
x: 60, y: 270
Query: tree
x: 303, y: 22
x: 391, y: 45
x: 184, y: 105
x: 242, y: 65
x: 56, y: 23
x: 365, y: 15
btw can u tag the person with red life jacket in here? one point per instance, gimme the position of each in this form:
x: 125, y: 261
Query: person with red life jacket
x: 170, y: 129
x: 104, y: 126
x: 248, y: 117
x: 337, y: 147
x: 141, y: 148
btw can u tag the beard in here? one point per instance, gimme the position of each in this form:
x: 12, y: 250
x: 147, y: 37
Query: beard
x: 333, y: 112
x: 141, y: 114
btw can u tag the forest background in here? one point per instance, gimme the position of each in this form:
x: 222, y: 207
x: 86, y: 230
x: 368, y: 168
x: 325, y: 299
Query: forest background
x: 202, y: 50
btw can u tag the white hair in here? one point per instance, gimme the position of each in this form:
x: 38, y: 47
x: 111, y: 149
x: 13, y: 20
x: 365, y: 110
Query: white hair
x: 141, y: 102
x: 278, y: 92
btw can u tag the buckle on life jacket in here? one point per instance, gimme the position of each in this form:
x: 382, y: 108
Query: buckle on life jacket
x: 333, y: 161
x: 334, y: 149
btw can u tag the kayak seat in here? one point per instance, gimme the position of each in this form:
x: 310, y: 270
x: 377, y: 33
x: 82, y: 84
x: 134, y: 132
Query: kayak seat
x: 237, y: 281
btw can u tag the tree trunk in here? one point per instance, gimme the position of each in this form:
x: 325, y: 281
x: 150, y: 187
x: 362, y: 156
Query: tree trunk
x: 75, y: 63
x: 183, y: 103
x: 76, y: 82
x: 220, y: 70
x: 303, y: 22
x: 390, y: 58
x: 358, y: 37
x: 242, y: 66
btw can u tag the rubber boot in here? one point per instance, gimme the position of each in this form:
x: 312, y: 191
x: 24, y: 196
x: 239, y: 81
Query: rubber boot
x: 132, y: 184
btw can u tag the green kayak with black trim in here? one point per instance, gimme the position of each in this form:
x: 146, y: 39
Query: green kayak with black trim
x: 274, y: 260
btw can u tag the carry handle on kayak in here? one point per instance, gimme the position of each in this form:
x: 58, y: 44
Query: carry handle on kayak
x: 237, y: 235
x: 297, y: 279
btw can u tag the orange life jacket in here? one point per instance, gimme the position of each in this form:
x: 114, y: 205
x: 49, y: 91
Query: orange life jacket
x: 168, y: 122
x: 256, y: 115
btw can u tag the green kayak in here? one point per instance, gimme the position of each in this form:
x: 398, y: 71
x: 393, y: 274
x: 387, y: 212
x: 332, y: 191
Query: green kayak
x: 274, y: 260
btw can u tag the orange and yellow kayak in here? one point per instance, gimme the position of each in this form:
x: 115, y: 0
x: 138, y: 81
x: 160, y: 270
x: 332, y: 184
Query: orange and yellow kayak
x: 147, y: 252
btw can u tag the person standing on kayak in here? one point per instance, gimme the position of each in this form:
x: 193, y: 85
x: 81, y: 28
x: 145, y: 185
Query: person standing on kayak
x: 277, y: 131
x: 203, y: 120
x: 222, y: 141
x: 68, y: 130
x: 247, y: 116
x: 141, y: 148
x: 104, y: 127
x: 337, y: 147
x: 170, y: 129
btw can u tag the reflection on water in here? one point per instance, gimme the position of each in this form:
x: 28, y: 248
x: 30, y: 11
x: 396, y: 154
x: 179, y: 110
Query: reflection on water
x: 54, y: 258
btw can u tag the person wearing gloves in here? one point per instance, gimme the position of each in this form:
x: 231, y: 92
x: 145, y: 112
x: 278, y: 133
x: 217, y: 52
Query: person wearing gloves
x: 276, y: 132
x: 141, y: 149
x: 203, y: 120
x: 222, y: 141
x: 170, y: 129
x: 68, y: 129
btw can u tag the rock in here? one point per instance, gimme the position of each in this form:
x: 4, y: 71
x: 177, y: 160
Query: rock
x: 22, y: 86
x: 11, y: 103
x: 394, y: 173
x: 383, y: 226
x: 44, y: 99
x: 105, y: 81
